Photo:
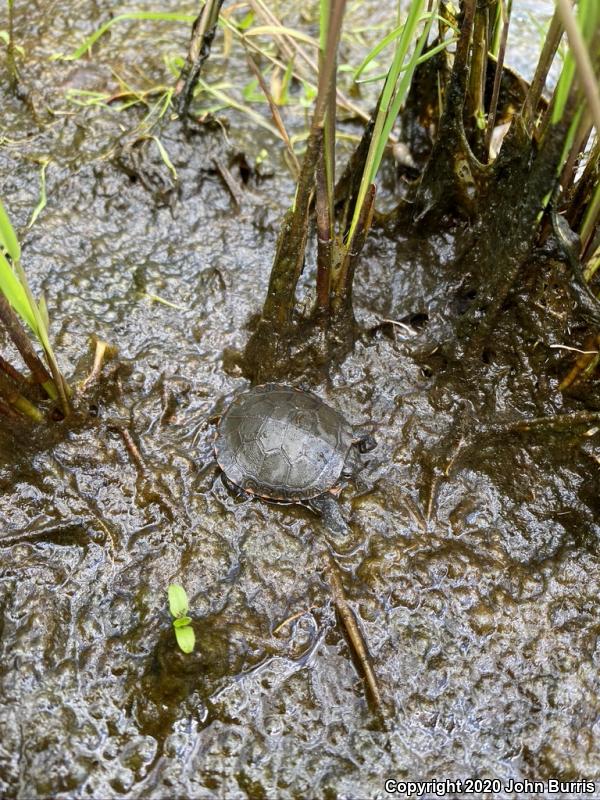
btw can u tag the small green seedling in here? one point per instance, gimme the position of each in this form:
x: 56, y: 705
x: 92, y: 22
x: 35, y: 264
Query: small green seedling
x: 178, y: 606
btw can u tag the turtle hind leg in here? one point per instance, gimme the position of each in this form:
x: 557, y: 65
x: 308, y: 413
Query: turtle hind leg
x: 365, y: 443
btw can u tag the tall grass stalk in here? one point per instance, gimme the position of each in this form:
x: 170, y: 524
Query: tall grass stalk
x: 393, y: 95
x: 588, y: 20
x: 499, y: 47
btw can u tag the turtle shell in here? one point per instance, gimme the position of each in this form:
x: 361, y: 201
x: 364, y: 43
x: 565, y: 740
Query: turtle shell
x: 282, y: 443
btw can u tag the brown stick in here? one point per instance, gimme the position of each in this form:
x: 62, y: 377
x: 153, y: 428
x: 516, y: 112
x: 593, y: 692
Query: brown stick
x: 274, y: 112
x: 229, y: 181
x: 10, y: 393
x: 203, y: 33
x: 21, y: 341
x: 324, y: 242
x: 133, y: 451
x: 475, y: 106
x: 582, y: 135
x: 13, y: 373
x: 342, y: 298
x: 11, y: 63
x: 551, y: 42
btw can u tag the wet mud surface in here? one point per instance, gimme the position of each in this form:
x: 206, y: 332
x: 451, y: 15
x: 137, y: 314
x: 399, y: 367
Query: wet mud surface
x: 471, y: 565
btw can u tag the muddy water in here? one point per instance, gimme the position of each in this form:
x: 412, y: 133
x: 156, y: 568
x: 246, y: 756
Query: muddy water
x: 472, y: 564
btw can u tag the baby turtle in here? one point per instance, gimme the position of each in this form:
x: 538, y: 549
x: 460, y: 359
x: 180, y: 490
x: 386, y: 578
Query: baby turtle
x: 287, y: 446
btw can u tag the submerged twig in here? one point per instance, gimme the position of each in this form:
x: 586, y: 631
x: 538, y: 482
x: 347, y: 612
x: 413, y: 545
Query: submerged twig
x: 587, y: 360
x: 228, y: 180
x: 150, y: 488
x: 354, y: 635
x: 133, y: 451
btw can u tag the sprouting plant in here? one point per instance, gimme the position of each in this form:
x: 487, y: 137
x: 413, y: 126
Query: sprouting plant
x: 179, y: 606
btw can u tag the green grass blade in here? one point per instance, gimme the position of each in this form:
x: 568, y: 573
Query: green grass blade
x: 401, y: 94
x: 43, y: 309
x: 378, y: 48
x: 166, y: 16
x: 228, y: 101
x: 16, y: 295
x: 385, y: 120
x: 43, y: 199
x: 421, y: 60
x: 586, y: 21
x: 41, y: 331
x: 165, y: 157
x: 395, y: 34
x: 280, y: 30
x: 84, y: 98
x: 8, y: 237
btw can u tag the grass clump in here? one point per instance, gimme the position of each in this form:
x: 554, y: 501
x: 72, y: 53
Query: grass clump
x: 19, y: 312
x: 343, y: 213
x: 448, y: 71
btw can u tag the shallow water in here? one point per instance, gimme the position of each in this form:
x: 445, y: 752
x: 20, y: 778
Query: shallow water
x: 477, y: 590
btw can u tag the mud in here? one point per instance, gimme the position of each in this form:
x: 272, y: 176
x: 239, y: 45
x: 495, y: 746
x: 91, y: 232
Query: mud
x: 472, y: 563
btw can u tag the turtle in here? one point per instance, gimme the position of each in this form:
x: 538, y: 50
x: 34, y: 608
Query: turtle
x: 286, y: 445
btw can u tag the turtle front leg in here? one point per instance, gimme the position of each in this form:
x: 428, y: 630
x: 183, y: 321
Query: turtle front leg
x: 327, y: 507
x: 233, y: 488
